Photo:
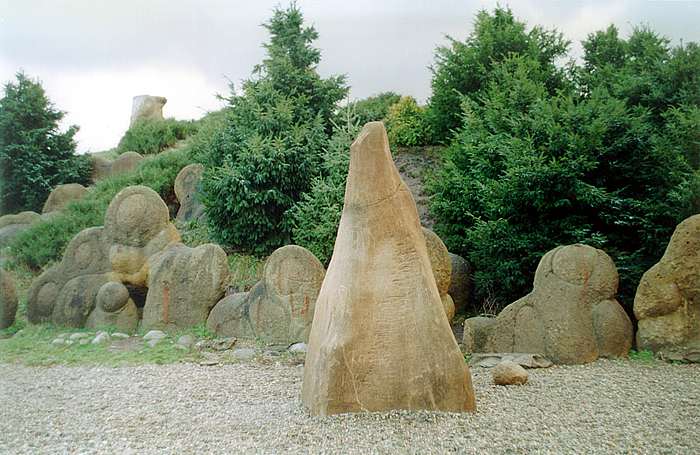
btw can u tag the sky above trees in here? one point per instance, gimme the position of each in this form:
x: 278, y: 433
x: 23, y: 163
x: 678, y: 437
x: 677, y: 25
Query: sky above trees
x: 93, y: 56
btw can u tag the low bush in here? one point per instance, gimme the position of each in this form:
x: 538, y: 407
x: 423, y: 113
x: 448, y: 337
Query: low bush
x: 45, y: 241
x: 371, y: 109
x: 406, y: 123
x: 316, y: 216
x: 149, y: 137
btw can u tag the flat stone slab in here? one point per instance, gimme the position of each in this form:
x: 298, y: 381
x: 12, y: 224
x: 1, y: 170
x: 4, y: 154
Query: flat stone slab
x: 491, y: 359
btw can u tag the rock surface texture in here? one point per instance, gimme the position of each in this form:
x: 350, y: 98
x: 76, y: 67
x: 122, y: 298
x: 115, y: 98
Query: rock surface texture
x: 114, y: 309
x: 380, y: 339
x: 136, y: 227
x: 667, y: 303
x: 8, y: 300
x: 103, y: 168
x: 279, y: 308
x: 183, y: 285
x: 442, y: 269
x: 571, y: 316
x: 460, y: 282
x: 146, y: 107
x: 62, y: 195
x: 13, y: 225
x: 509, y: 373
x: 187, y: 189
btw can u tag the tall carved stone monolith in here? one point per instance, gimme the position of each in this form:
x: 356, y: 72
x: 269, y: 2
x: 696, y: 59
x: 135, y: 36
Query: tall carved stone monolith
x: 146, y: 107
x: 380, y: 339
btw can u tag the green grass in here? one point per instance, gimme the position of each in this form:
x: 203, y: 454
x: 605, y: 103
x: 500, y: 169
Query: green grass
x: 642, y: 356
x: 149, y: 137
x: 32, y: 347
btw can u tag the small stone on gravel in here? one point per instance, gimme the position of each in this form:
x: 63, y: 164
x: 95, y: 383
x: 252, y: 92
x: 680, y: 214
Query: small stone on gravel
x: 509, y: 373
x: 154, y: 334
x: 119, y: 335
x: 298, y: 348
x: 243, y: 353
x: 79, y: 336
x: 185, y: 341
x: 102, y: 337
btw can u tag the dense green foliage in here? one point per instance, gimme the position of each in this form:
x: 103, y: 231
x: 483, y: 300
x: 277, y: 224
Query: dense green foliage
x: 464, y: 68
x: 269, y: 148
x: 153, y: 136
x: 406, y: 123
x: 316, y: 216
x: 34, y: 155
x: 371, y: 109
x: 45, y: 241
x: 607, y: 160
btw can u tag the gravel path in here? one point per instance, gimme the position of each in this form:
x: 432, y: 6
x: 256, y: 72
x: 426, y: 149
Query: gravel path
x: 605, y: 407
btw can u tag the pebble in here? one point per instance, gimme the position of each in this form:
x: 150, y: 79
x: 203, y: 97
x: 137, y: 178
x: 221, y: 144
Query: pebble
x: 243, y: 354
x: 298, y: 348
x: 185, y: 342
x: 78, y: 336
x: 119, y: 335
x: 102, y: 337
x: 153, y: 335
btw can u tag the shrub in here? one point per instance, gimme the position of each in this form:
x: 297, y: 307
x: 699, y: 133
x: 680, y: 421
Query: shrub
x: 45, y: 241
x: 406, y: 123
x: 464, y: 67
x: 269, y: 147
x: 148, y: 137
x: 371, y: 109
x: 600, y: 165
x: 315, y: 218
x: 34, y: 155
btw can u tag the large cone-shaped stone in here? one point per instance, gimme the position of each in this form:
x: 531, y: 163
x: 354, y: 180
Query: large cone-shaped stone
x: 380, y: 339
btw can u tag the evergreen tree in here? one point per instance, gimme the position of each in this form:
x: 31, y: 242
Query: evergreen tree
x: 35, y: 155
x: 270, y: 145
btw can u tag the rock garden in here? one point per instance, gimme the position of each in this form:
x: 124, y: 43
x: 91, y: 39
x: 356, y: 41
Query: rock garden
x: 294, y: 275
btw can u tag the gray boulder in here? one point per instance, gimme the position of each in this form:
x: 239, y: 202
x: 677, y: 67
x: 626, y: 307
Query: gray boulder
x: 8, y: 300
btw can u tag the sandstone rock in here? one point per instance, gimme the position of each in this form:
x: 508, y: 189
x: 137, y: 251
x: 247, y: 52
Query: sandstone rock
x: 187, y: 185
x: 491, y: 359
x: 184, y: 284
x: 460, y: 282
x: 476, y: 331
x: 379, y: 338
x: 278, y: 309
x: 667, y: 303
x: 146, y: 107
x: 571, y: 316
x: 126, y: 162
x: 449, y: 306
x: 101, y: 168
x: 12, y: 225
x: 136, y: 227
x: 62, y: 195
x: 509, y: 373
x: 8, y: 300
x: 78, y: 336
x: 114, y: 309
x: 58, y: 342
x: 120, y: 335
x: 439, y: 260
x: 19, y: 218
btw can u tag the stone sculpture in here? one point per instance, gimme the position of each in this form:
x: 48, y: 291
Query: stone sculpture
x: 279, y: 308
x: 136, y: 227
x: 380, y: 339
x: 146, y: 107
x: 62, y: 195
x: 12, y: 225
x: 570, y: 317
x: 186, y: 189
x: 8, y: 300
x: 183, y: 285
x: 667, y: 303
x: 114, y: 308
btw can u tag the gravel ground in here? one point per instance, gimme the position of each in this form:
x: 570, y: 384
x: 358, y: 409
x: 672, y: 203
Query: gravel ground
x: 604, y: 407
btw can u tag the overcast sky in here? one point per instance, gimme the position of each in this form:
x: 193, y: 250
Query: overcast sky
x: 93, y: 56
